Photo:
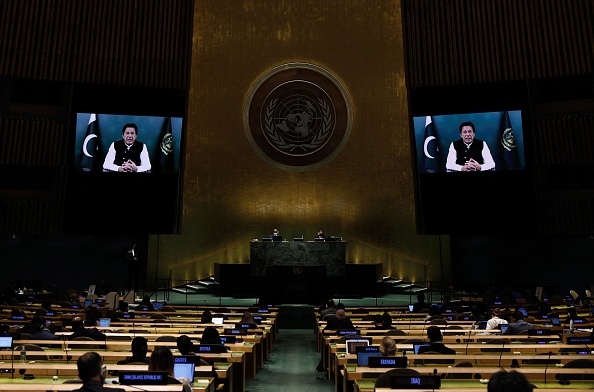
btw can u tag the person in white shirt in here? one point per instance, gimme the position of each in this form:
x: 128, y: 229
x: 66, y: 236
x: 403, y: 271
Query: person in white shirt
x: 469, y: 154
x: 128, y: 154
x: 495, y: 321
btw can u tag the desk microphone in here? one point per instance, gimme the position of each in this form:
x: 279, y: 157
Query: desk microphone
x: 424, y: 324
x: 501, y: 352
x: 409, y: 322
x: 467, y: 342
x: 12, y: 360
x: 65, y: 348
x: 547, y: 366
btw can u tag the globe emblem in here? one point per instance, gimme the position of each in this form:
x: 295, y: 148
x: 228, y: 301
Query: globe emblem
x: 297, y: 116
x: 298, y: 124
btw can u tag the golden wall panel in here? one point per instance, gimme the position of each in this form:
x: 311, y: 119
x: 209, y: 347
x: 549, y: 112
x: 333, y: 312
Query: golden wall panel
x: 231, y: 195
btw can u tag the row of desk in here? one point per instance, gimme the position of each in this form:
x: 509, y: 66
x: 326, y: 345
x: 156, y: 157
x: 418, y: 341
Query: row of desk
x: 470, y: 345
x: 59, y: 357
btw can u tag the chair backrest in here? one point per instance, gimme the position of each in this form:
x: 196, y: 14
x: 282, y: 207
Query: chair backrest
x: 130, y: 297
x: 575, y: 297
x: 580, y: 363
x: 31, y: 347
x: 89, y: 346
x: 423, y: 361
x: 438, y: 322
x: 73, y: 381
x: 396, y: 332
x: 112, y: 299
x: 574, y: 294
x: 463, y: 315
x: 119, y: 337
x: 497, y: 341
x: 383, y: 381
x: 451, y: 328
x: 343, y: 339
x: 168, y: 309
x: 159, y: 316
x: 465, y: 376
x: 166, y: 338
x: 360, y: 311
x: 411, y: 341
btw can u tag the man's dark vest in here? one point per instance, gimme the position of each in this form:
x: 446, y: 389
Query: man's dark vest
x: 464, y: 154
x: 123, y: 153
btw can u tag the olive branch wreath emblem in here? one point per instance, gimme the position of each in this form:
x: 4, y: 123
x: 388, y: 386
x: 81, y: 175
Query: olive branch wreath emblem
x: 280, y: 142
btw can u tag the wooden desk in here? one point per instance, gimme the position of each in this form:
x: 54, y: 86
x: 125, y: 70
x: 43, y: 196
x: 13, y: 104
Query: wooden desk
x: 237, y: 359
x: 69, y: 370
x: 252, y: 359
x: 532, y: 373
x: 50, y: 385
x: 474, y: 386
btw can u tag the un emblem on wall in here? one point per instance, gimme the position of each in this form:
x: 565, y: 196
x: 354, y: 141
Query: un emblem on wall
x: 298, y: 116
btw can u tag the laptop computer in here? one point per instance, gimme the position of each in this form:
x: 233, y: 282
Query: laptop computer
x: 158, y: 305
x: 504, y: 328
x: 276, y: 238
x: 5, y: 341
x: 104, y: 322
x: 365, y: 352
x: 184, y: 369
x: 352, y: 344
x: 555, y: 321
x: 523, y: 311
x: 417, y: 345
x: 218, y: 320
x: 482, y: 324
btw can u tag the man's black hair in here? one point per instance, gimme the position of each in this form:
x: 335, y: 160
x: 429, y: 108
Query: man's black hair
x: 132, y: 125
x: 504, y: 381
x: 467, y: 124
x: 434, y: 334
x: 139, y: 345
x: 184, y: 345
x: 89, y: 365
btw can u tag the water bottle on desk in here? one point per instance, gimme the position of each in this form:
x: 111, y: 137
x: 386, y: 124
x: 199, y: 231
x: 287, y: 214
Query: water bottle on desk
x: 23, y: 355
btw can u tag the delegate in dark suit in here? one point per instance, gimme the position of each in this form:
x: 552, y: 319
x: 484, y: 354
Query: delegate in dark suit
x: 519, y: 325
x: 437, y: 347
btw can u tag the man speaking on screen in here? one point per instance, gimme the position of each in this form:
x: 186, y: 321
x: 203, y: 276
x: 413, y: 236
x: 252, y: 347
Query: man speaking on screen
x: 128, y: 154
x: 469, y: 154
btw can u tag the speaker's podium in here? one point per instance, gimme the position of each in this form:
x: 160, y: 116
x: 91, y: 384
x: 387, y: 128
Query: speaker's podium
x: 296, y: 271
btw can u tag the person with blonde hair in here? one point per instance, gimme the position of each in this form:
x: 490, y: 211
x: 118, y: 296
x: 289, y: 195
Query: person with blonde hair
x: 388, y: 347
